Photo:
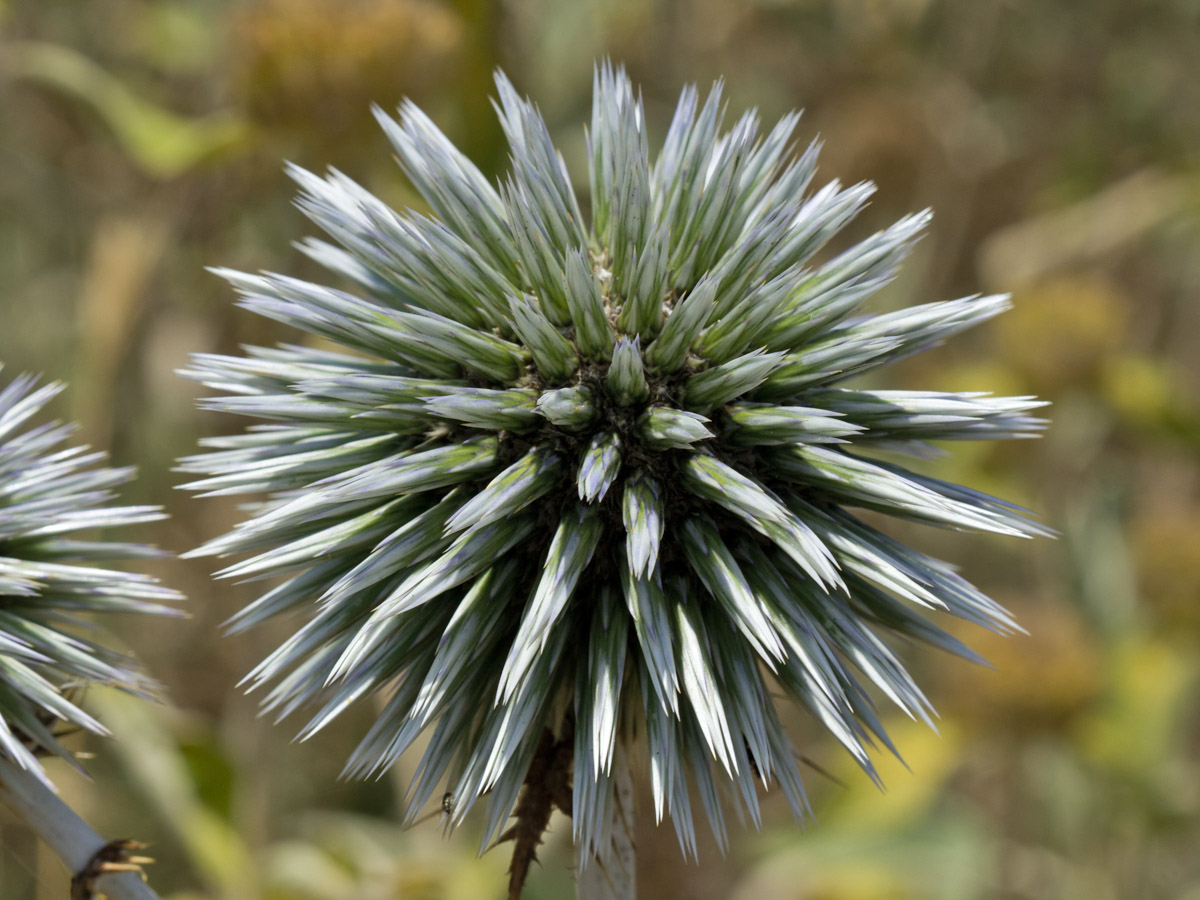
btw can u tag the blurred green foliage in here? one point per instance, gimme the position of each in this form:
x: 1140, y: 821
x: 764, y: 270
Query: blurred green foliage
x: 1059, y: 145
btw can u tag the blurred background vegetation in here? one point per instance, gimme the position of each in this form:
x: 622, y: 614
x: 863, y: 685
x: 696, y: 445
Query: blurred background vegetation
x: 1058, y: 143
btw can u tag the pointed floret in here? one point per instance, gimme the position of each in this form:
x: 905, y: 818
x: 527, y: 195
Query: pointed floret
x: 645, y: 287
x: 472, y: 553
x: 875, y: 486
x: 450, y: 183
x: 626, y: 378
x: 644, y: 517
x: 664, y: 428
x: 539, y: 167
x: 742, y: 328
x: 721, y: 384
x: 421, y: 537
x: 713, y: 480
x: 620, y: 170
x: 570, y: 408
x: 652, y: 620
x: 858, y: 346
x: 424, y: 470
x: 714, y: 565
x: 541, y: 262
x: 486, y: 354
x: 933, y: 415
x: 830, y: 360
x: 683, y: 326
x: 511, y: 410
x: 585, y: 301
x: 553, y: 354
x: 700, y: 684
x: 570, y: 551
x: 838, y: 287
x: 408, y: 260
x: 599, y: 467
x: 603, y: 678
x: 532, y: 476
x: 758, y: 424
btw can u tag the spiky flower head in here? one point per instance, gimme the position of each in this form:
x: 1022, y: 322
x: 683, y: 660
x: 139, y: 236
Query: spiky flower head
x: 591, y: 476
x: 52, y: 579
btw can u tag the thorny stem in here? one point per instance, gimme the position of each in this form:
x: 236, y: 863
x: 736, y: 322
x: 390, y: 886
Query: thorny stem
x: 71, y: 839
x: 547, y: 784
x: 613, y: 875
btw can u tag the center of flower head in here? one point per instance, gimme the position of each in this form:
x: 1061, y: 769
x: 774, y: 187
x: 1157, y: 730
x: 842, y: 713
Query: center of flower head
x: 619, y: 406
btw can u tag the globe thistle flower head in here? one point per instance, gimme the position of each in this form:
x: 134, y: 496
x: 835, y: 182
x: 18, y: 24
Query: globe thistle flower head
x: 589, y: 480
x: 50, y: 577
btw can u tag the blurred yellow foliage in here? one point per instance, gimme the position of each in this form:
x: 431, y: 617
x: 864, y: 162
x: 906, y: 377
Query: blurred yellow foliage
x: 149, y: 747
x: 1141, y: 389
x: 1040, y: 680
x: 856, y: 881
x: 912, y: 783
x: 1137, y: 726
x: 1166, y: 545
x: 296, y: 62
x: 1060, y: 331
x: 178, y: 37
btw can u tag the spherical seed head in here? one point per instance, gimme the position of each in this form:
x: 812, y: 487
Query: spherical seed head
x: 592, y: 474
x: 52, y: 576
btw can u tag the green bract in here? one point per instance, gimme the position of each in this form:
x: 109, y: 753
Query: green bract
x: 50, y: 577
x: 591, y: 474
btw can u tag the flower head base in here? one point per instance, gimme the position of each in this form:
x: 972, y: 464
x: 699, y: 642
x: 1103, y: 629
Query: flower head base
x: 591, y: 475
x: 48, y: 577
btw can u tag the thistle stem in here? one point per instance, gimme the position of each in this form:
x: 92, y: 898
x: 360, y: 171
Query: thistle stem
x: 613, y: 875
x: 72, y: 839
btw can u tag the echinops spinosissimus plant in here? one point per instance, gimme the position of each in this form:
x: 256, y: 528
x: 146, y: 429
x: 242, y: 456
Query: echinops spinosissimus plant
x: 54, y: 575
x: 50, y: 578
x: 578, y: 495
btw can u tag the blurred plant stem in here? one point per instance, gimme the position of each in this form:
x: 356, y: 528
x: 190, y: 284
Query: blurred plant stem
x: 72, y: 839
x: 125, y: 252
x: 613, y: 875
